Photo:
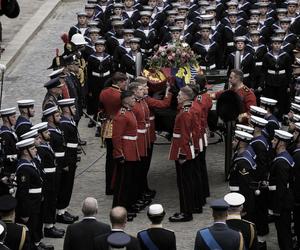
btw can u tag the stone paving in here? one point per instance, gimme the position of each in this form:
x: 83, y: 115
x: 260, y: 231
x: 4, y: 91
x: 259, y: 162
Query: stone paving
x: 25, y: 79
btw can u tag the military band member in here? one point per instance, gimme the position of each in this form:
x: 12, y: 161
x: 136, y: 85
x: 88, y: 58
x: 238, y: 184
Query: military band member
x: 27, y: 111
x: 125, y: 153
x: 8, y: 139
x: 156, y: 235
x: 182, y: 152
x: 54, y: 93
x: 48, y: 165
x: 70, y: 137
x: 280, y: 189
x: 242, y: 171
x: 235, y: 221
x: 17, y: 237
x: 110, y: 100
x: 29, y: 192
x: 100, y: 68
x: 219, y: 235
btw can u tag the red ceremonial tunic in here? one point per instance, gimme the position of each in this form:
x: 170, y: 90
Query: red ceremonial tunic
x: 111, y: 100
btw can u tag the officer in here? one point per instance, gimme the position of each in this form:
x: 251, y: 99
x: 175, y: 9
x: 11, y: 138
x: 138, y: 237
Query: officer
x: 54, y: 93
x: 260, y: 146
x: 125, y: 153
x: 52, y: 116
x: 242, y: 171
x: 8, y: 148
x: 280, y: 191
x: 100, y: 68
x: 29, y: 192
x: 17, y: 234
x: 70, y: 136
x: 156, y: 235
x: 47, y: 159
x: 27, y: 111
x: 110, y: 101
x: 296, y: 157
x: 235, y: 222
x: 219, y: 235
x: 182, y: 152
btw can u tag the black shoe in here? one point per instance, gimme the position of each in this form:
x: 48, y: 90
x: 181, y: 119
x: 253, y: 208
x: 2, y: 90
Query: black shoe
x: 131, y: 214
x: 129, y: 218
x: 60, y: 229
x: 91, y: 124
x: 182, y: 217
x: 198, y: 210
x: 63, y: 218
x: 97, y: 133
x: 74, y: 217
x: 262, y: 245
x: 53, y: 233
x: 43, y: 246
x: 82, y: 143
x: 135, y: 209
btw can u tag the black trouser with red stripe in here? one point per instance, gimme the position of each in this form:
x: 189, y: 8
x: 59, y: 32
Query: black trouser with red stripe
x: 109, y: 167
x: 185, y: 184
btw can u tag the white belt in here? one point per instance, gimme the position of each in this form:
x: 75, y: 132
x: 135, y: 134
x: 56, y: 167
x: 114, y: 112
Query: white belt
x: 151, y: 118
x: 129, y: 75
x: 49, y: 170
x: 72, y: 145
x: 273, y: 72
x: 246, y: 75
x: 272, y: 188
x: 258, y: 64
x: 35, y: 190
x: 234, y: 188
x: 12, y: 157
x: 230, y: 44
x: 100, y: 74
x: 176, y: 135
x: 59, y: 154
x: 130, y: 138
x: 212, y: 66
x: 142, y: 131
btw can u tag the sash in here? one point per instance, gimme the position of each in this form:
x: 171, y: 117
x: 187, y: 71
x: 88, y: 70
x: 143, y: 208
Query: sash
x: 209, y: 239
x: 147, y: 241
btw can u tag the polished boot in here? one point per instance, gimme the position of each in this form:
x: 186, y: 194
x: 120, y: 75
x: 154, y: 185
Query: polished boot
x: 181, y: 217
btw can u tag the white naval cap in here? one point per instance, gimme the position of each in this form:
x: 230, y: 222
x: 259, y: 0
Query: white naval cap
x: 66, y: 102
x: 25, y: 103
x: 283, y: 135
x: 258, y: 111
x: 297, y: 99
x: 297, y: 125
x: 234, y: 199
x: 25, y: 143
x: 268, y: 101
x: 40, y: 127
x: 155, y: 209
x: 244, y: 128
x: 8, y: 111
x: 295, y: 107
x: 50, y: 111
x: 296, y: 118
x: 30, y: 134
x: 56, y: 73
x: 243, y: 136
x: 258, y: 121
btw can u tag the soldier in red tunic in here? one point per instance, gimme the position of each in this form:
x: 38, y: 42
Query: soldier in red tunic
x: 125, y: 153
x: 110, y: 99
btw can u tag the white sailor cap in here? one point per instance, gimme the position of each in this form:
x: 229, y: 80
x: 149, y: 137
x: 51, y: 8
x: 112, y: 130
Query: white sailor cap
x: 117, y: 23
x: 268, y: 101
x: 234, y: 199
x: 25, y: 103
x: 155, y: 209
x: 295, y: 107
x: 57, y: 73
x: 242, y: 136
x: 100, y: 42
x: 297, y: 125
x: 281, y: 10
x: 27, y: 143
x: 145, y: 13
x: 232, y: 3
x: 292, y: 2
x: 135, y: 40
x: 296, y: 118
x: 297, y: 99
x: 240, y: 39
x: 206, y: 17
x: 258, y: 121
x: 81, y: 13
x: 8, y: 111
x: 255, y: 110
x: 66, y: 102
x: 50, y: 111
x: 94, y: 30
x: 40, y: 127
x: 283, y: 135
x: 244, y: 128
x: 31, y: 134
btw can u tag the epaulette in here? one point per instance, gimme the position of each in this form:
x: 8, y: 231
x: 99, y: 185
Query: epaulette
x: 123, y: 111
x: 246, y: 88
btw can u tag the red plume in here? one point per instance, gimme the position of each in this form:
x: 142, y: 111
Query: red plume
x: 65, y: 37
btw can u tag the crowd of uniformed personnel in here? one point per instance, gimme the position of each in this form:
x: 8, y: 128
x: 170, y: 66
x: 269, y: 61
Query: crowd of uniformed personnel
x: 98, y: 70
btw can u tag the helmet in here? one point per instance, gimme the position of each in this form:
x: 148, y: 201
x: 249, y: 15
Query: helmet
x: 78, y: 39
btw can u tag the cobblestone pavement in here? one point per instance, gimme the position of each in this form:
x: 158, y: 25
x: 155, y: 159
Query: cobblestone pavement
x: 25, y: 79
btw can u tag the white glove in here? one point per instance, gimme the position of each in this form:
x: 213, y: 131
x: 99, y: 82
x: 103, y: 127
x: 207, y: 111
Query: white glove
x: 2, y: 67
